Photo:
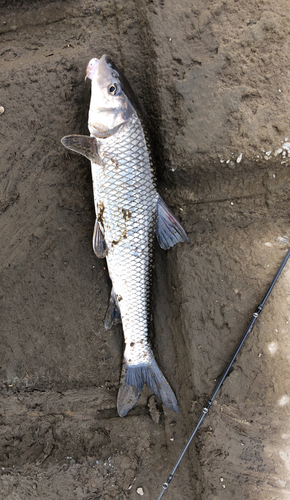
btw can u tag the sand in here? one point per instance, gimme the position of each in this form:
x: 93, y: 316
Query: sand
x: 213, y: 80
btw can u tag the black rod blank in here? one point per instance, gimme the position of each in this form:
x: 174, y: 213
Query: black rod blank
x: 223, y: 377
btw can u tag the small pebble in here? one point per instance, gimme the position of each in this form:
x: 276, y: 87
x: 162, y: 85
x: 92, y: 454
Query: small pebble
x: 140, y: 491
x: 1, y: 110
x: 239, y: 158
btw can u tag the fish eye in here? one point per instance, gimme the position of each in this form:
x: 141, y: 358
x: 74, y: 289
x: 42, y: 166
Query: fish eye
x: 113, y: 89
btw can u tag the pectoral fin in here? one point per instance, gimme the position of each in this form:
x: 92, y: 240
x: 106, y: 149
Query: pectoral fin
x: 99, y: 244
x: 84, y: 145
x: 168, y: 230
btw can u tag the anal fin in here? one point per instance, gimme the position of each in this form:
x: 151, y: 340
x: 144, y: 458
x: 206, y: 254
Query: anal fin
x: 168, y: 230
x: 84, y: 145
x: 113, y: 314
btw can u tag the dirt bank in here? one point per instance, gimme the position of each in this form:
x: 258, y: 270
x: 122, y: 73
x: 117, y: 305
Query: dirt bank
x: 213, y: 80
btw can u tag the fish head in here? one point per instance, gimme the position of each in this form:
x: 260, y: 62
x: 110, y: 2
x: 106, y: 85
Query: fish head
x: 113, y: 102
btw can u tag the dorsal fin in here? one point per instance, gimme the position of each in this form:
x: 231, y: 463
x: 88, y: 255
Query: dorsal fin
x: 168, y: 230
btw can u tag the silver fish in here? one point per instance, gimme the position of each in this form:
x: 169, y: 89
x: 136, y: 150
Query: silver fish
x: 129, y: 213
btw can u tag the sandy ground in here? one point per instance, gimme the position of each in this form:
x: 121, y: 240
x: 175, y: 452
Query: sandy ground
x: 213, y: 80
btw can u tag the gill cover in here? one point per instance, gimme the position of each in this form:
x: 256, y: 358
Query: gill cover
x: 112, y: 100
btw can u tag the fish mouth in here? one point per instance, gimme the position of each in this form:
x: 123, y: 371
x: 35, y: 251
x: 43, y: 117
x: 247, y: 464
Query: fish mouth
x: 92, y: 68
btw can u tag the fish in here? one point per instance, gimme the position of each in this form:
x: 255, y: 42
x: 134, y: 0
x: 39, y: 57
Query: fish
x: 130, y: 214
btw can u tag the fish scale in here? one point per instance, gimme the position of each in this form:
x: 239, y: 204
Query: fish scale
x: 129, y: 213
x: 129, y: 186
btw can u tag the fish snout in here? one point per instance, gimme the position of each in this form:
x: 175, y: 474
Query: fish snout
x: 92, y: 68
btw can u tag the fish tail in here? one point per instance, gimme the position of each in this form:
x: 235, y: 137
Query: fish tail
x: 133, y: 379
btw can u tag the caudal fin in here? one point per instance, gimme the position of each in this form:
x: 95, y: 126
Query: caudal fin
x: 132, y: 381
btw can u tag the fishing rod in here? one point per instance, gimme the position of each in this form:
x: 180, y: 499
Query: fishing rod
x: 223, y: 377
